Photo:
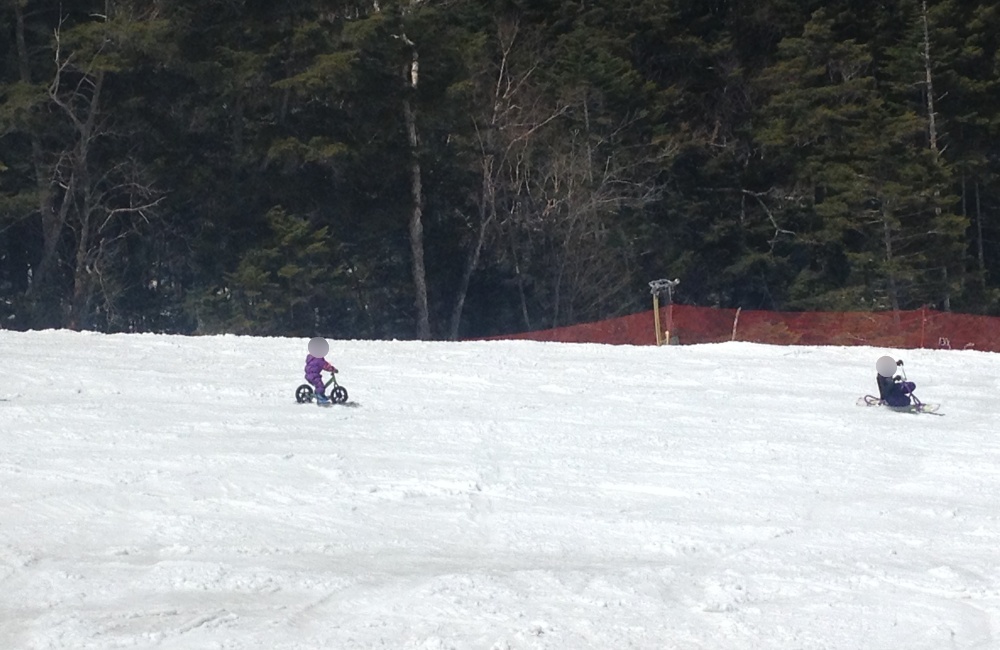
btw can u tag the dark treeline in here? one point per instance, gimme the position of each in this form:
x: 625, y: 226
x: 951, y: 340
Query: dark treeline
x: 460, y: 168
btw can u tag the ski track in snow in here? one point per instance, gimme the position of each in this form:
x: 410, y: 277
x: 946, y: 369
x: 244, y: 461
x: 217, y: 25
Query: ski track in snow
x: 167, y: 492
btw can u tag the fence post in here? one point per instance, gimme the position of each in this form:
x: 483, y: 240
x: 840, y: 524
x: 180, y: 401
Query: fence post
x: 736, y: 321
x: 670, y: 321
x: 923, y: 324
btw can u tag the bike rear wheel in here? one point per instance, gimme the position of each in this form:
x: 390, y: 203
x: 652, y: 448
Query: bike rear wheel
x: 304, y: 393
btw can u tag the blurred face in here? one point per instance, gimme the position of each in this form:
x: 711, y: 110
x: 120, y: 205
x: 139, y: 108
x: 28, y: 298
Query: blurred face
x: 885, y: 366
x: 318, y: 347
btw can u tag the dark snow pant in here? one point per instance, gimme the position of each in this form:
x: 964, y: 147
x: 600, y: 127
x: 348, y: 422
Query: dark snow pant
x: 900, y: 395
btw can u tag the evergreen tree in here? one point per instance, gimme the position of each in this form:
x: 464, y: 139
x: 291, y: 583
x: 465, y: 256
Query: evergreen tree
x: 284, y: 287
x: 877, y: 210
x: 970, y: 86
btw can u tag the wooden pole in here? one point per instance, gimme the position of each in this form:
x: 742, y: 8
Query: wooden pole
x: 656, y: 317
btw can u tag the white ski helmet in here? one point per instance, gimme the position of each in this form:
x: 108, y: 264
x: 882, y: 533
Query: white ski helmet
x: 885, y: 366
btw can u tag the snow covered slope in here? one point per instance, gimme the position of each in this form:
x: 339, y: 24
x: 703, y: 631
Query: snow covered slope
x: 167, y: 492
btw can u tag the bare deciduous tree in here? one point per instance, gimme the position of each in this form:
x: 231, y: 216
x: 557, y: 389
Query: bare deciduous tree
x: 581, y: 186
x: 510, y: 119
x: 95, y: 201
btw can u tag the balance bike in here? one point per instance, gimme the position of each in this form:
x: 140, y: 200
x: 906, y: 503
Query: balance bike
x: 338, y: 395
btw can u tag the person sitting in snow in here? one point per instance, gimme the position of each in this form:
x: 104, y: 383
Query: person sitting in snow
x: 316, y: 363
x: 892, y: 389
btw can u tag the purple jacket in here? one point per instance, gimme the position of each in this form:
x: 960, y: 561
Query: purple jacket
x: 315, y: 366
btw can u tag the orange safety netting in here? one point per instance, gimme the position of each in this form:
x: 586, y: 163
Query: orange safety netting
x: 920, y: 328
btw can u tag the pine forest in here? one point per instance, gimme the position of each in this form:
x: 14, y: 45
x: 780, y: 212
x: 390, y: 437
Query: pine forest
x: 447, y: 169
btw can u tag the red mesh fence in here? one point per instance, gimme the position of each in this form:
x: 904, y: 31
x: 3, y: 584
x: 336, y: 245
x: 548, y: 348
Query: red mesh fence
x: 921, y: 328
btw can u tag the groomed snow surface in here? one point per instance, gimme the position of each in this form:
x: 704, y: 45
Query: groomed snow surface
x: 167, y: 492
